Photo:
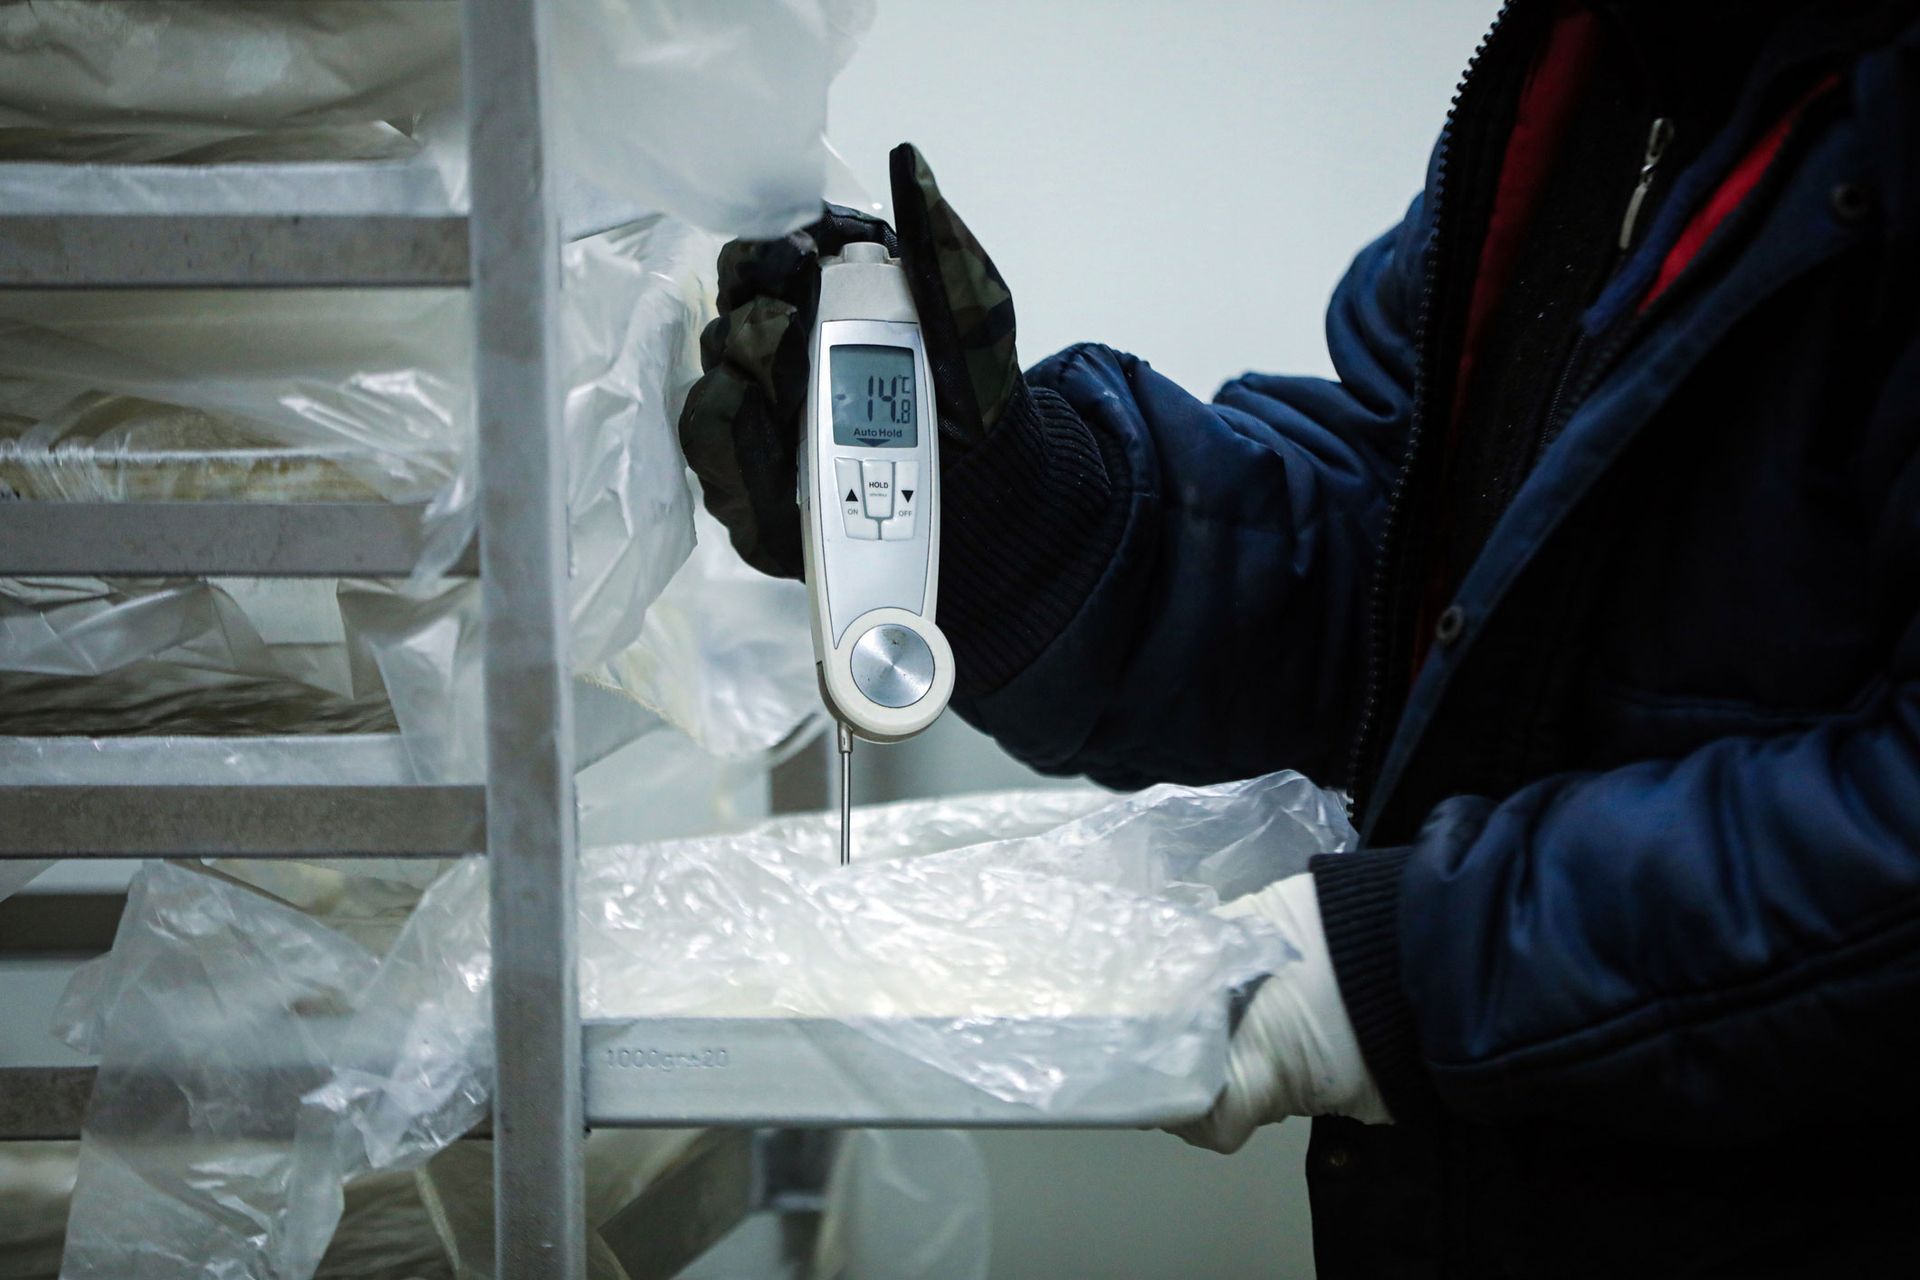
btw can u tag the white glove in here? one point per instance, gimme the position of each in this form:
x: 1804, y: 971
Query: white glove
x: 1294, y: 1053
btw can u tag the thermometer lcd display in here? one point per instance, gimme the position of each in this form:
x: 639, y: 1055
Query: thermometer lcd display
x: 873, y: 401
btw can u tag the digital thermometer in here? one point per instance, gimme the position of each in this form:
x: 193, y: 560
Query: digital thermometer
x: 870, y: 508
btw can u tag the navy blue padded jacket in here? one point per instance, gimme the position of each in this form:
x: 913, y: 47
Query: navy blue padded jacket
x: 1610, y: 1002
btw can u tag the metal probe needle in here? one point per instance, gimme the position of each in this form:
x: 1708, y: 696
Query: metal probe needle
x: 846, y: 795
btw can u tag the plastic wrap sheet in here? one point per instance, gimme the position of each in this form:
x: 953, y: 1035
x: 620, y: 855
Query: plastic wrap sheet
x: 366, y: 385
x: 394, y: 1226
x: 255, y: 1059
x: 639, y: 777
x: 97, y: 656
x: 126, y: 80
x: 962, y: 958
x: 342, y: 394
x: 633, y: 307
x: 724, y: 654
x: 906, y: 1205
x: 36, y: 1182
x: 733, y: 93
x: 198, y: 1160
x: 261, y: 397
x: 711, y: 110
x: 964, y: 928
x: 211, y: 1017
x: 104, y: 448
x: 658, y: 787
x: 619, y: 1166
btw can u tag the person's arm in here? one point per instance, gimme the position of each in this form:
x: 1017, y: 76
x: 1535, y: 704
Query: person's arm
x: 1144, y: 586
x: 1693, y: 951
x: 1137, y: 585
x: 1699, y: 949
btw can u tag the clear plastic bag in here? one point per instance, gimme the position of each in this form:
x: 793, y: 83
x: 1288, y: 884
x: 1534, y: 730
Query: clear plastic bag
x: 725, y: 653
x: 211, y: 1017
x: 266, y: 397
x: 36, y: 1182
x: 277, y: 396
x: 963, y: 930
x: 965, y: 948
x: 122, y: 79
x: 734, y: 95
x: 393, y: 1226
x: 905, y: 1205
x: 908, y: 1205
x: 372, y: 385
x: 712, y: 110
x: 255, y: 1059
x: 619, y: 1167
x: 709, y: 110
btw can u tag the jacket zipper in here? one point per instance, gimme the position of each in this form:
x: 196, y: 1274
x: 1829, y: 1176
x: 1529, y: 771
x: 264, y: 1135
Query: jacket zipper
x: 1731, y: 232
x: 1378, y: 642
x: 1560, y: 410
x: 1658, y: 138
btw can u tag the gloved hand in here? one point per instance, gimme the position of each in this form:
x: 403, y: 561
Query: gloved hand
x: 740, y: 428
x: 1294, y: 1053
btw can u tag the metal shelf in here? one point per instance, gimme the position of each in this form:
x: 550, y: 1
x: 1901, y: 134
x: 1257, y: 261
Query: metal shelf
x: 408, y: 187
x: 280, y: 251
x: 251, y: 821
x: 43, y: 1104
x: 776, y: 1072
x: 230, y: 539
x: 327, y: 224
x: 292, y: 226
x: 361, y: 759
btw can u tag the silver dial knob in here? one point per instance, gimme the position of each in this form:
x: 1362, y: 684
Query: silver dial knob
x: 892, y: 665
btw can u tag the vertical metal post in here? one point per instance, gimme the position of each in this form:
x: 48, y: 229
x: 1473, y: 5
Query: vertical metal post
x: 540, y: 1220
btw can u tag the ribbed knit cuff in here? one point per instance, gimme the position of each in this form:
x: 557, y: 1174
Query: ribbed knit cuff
x: 1359, y: 907
x: 1029, y: 520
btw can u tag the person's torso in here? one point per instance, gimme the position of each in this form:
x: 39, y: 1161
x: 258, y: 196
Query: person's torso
x: 1659, y: 510
x: 1669, y: 524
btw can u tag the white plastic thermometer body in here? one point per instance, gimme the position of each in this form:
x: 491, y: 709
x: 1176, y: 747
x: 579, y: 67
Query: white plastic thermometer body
x: 870, y: 503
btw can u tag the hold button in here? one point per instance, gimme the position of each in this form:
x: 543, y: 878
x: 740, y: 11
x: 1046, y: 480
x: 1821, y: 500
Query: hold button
x: 878, y: 479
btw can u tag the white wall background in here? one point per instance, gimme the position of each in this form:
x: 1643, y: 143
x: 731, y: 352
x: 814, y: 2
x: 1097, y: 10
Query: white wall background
x: 1186, y: 181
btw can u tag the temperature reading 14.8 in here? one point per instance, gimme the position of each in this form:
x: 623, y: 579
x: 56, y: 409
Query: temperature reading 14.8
x: 890, y: 399
x: 873, y: 397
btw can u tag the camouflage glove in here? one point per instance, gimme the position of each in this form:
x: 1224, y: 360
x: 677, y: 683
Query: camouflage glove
x: 741, y: 425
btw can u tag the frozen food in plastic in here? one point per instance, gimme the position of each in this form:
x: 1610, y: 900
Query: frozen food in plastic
x: 709, y: 110
x: 1033, y: 906
x: 262, y: 397
x: 119, y: 79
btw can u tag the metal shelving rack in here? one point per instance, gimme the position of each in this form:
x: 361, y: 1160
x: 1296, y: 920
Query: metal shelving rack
x: 506, y: 252
x: 333, y: 226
